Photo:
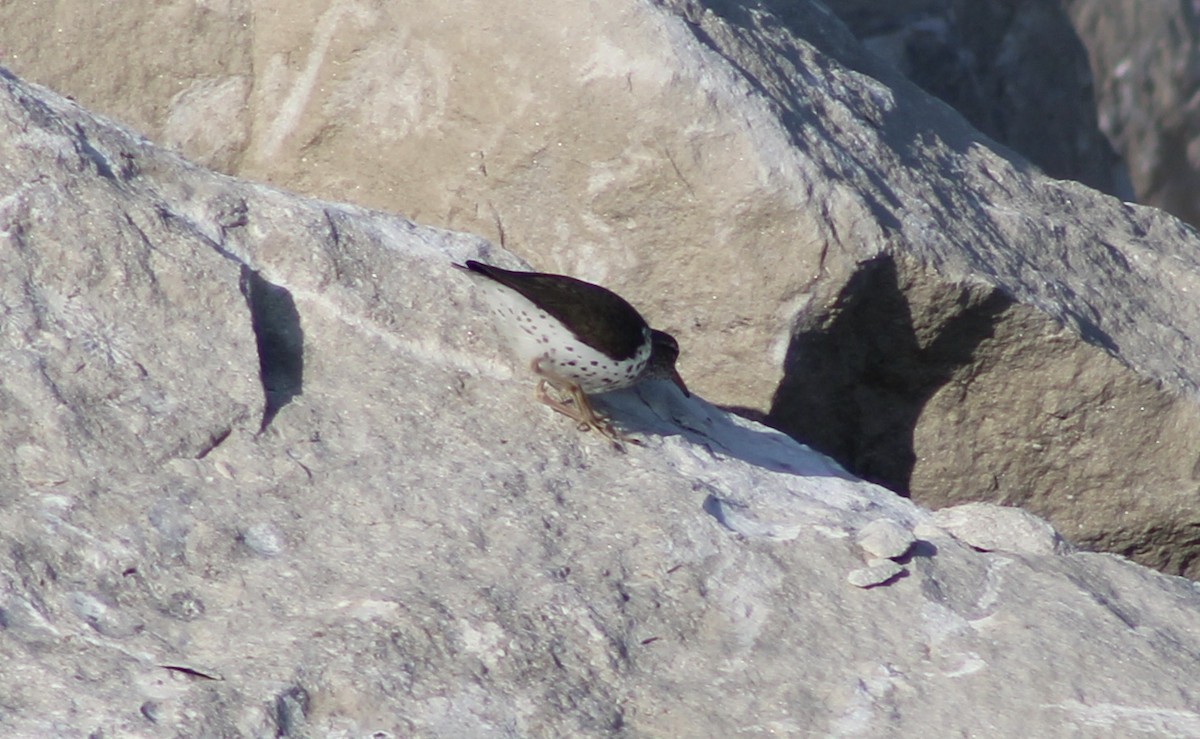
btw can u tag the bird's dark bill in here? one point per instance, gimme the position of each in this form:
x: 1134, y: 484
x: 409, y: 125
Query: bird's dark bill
x: 675, y: 378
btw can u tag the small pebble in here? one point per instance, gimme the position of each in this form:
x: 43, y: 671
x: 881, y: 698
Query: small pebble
x: 263, y: 539
x: 885, y: 539
x: 991, y: 528
x: 877, y: 572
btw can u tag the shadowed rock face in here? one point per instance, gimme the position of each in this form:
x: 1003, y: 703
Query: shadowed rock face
x: 1146, y: 63
x: 857, y: 383
x: 898, y: 367
x: 1017, y: 71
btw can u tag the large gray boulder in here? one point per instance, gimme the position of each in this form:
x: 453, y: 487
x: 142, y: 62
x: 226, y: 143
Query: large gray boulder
x: 270, y: 474
x: 837, y: 251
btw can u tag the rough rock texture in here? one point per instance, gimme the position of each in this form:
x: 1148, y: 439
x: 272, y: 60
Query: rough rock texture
x: 411, y: 546
x: 991, y: 528
x: 833, y: 247
x: 1146, y: 61
x: 1016, y: 70
x: 180, y: 70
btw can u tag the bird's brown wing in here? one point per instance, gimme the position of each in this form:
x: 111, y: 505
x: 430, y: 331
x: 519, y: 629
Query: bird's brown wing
x: 597, y: 316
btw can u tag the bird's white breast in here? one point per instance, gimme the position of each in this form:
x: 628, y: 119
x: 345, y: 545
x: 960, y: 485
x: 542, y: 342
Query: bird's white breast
x: 538, y: 339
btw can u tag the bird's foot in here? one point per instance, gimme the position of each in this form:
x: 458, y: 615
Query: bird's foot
x: 579, y: 409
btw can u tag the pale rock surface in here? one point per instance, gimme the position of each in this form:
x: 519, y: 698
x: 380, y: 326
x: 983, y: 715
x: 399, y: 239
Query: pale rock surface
x: 412, y: 546
x: 883, y: 542
x: 877, y: 572
x: 830, y: 245
x: 884, y: 539
x: 992, y: 528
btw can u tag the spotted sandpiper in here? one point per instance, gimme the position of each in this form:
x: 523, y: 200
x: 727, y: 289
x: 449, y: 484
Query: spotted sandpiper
x: 578, y: 337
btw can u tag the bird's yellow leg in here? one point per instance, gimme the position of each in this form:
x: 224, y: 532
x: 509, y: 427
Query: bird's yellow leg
x: 568, y: 410
x: 579, y: 409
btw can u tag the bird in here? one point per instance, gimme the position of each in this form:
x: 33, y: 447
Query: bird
x: 577, y: 337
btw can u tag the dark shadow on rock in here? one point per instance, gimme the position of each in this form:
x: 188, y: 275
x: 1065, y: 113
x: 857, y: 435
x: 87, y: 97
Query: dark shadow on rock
x: 855, y: 384
x: 657, y: 407
x: 920, y: 549
x: 280, y: 340
x: 750, y: 414
x: 291, y: 712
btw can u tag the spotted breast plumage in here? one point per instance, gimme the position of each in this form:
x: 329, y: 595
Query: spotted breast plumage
x: 578, y: 337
